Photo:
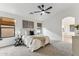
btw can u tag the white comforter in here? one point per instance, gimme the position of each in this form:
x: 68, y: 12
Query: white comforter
x: 34, y: 44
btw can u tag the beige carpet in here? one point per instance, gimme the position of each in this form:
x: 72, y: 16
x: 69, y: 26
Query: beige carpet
x: 49, y: 50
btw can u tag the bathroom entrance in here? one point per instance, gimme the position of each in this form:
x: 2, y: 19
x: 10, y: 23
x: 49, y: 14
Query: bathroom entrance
x: 68, y: 29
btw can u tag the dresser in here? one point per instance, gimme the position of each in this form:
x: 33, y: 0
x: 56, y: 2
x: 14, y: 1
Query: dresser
x: 75, y: 45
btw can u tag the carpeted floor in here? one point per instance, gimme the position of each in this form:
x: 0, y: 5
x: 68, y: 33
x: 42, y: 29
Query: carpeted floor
x: 54, y: 49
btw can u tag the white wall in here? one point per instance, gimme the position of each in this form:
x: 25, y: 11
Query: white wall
x: 75, y: 40
x: 18, y: 26
x: 53, y: 24
x: 9, y: 41
x: 76, y: 14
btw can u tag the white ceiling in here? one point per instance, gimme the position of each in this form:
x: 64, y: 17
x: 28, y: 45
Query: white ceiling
x: 23, y: 9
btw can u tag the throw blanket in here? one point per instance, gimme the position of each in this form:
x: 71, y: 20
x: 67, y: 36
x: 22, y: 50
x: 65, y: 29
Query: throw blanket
x: 41, y: 38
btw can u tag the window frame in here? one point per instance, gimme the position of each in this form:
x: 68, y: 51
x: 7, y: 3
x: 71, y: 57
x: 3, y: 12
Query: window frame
x: 13, y: 27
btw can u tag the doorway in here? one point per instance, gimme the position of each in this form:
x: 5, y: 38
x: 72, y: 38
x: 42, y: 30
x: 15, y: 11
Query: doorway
x: 68, y: 29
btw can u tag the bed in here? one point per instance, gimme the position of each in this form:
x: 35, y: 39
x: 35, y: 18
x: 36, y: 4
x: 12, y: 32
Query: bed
x: 36, y: 41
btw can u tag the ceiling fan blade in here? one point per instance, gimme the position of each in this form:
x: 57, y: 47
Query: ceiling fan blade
x: 31, y: 13
x: 48, y: 12
x: 48, y: 8
x: 40, y: 8
x: 35, y: 12
x: 41, y: 14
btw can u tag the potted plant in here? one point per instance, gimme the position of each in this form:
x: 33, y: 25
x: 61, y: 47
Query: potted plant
x: 77, y: 30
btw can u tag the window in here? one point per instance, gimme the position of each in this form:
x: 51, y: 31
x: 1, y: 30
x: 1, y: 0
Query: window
x: 28, y: 24
x: 39, y: 25
x: 7, y: 27
x: 39, y: 28
x: 7, y: 31
x: 72, y: 28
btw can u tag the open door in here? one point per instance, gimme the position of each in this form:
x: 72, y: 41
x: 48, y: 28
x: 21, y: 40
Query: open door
x: 68, y: 29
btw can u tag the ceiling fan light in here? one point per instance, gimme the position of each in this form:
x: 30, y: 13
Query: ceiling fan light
x: 43, y: 12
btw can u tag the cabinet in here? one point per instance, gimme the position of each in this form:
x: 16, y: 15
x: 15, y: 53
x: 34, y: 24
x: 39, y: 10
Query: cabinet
x: 75, y: 45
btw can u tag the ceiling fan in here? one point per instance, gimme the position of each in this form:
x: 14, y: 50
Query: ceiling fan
x: 42, y: 10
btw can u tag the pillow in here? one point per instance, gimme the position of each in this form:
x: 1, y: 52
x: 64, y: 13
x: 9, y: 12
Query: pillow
x: 27, y: 40
x: 31, y: 32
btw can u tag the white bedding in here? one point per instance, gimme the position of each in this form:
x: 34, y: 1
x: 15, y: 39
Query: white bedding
x: 34, y: 44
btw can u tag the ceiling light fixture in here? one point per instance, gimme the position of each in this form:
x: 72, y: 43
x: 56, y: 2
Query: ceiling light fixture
x: 42, y: 10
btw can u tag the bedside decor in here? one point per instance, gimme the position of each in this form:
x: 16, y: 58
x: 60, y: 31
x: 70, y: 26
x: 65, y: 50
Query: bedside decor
x: 19, y: 41
x: 31, y: 32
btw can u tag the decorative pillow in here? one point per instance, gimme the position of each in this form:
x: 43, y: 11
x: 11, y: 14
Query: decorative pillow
x: 27, y: 40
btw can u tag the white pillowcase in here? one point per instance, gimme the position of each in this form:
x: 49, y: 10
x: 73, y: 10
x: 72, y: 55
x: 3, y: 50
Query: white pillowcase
x: 27, y: 40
